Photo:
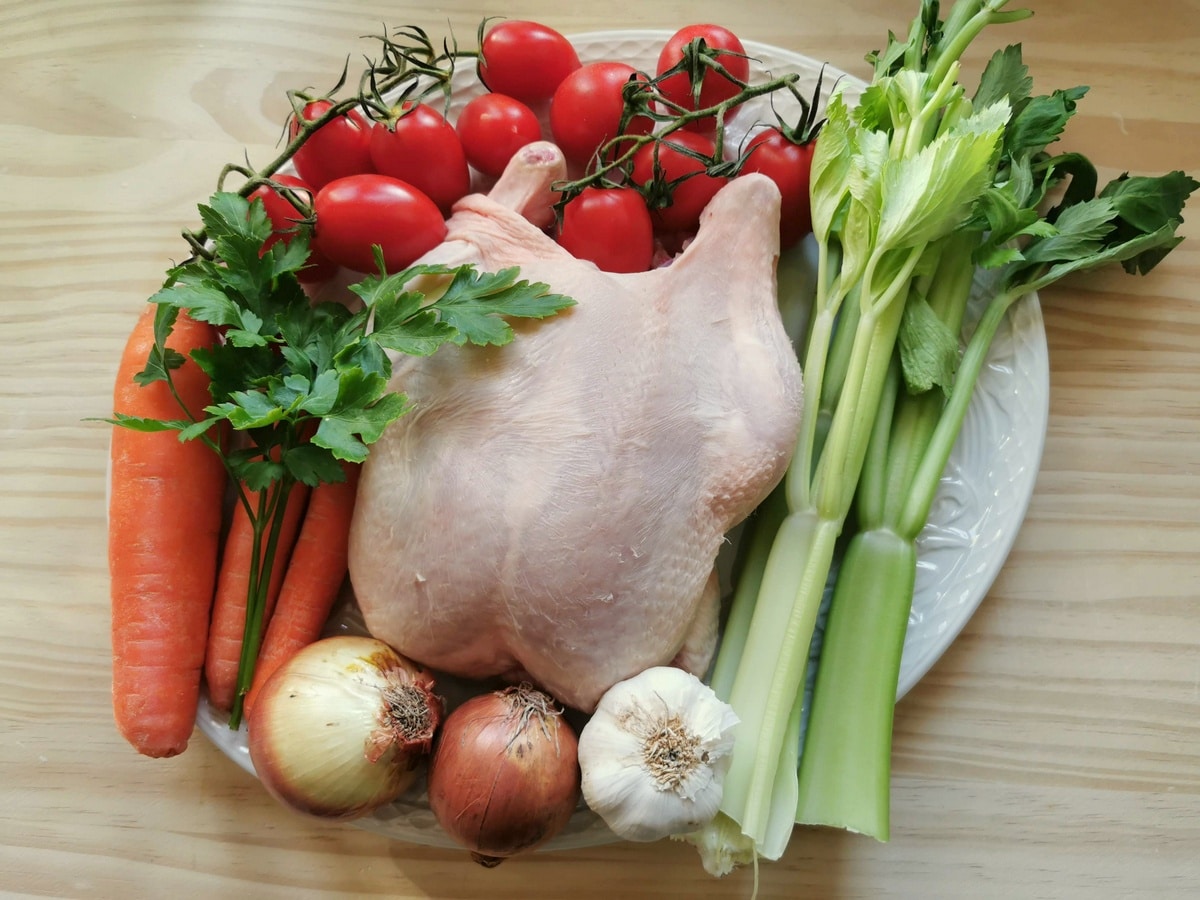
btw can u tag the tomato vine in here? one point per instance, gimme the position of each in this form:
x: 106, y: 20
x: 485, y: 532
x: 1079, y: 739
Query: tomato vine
x: 411, y: 68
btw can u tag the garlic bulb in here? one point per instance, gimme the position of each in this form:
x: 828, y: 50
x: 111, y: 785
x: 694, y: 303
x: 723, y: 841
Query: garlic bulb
x: 655, y: 753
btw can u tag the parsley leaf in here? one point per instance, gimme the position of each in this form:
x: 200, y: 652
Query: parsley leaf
x: 288, y: 369
x: 476, y: 303
x: 348, y: 430
x: 470, y: 307
x: 309, y: 383
x: 162, y: 359
x: 306, y: 386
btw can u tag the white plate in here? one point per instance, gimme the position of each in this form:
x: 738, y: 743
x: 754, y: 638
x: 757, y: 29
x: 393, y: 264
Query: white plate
x: 980, y: 503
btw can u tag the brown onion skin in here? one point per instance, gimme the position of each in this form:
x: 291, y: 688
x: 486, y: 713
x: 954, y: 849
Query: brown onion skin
x: 499, y: 788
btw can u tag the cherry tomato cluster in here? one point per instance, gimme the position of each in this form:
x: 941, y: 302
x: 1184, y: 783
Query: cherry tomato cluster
x: 668, y: 181
x: 389, y: 180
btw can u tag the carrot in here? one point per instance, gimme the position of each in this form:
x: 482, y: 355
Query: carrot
x: 314, y: 577
x: 227, y: 629
x: 164, y: 524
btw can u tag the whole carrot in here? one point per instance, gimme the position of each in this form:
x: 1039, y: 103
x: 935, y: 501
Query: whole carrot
x: 164, y: 523
x: 226, y: 632
x: 314, y: 577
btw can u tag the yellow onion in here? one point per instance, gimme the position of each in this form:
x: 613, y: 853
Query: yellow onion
x: 343, y: 727
x: 504, y: 777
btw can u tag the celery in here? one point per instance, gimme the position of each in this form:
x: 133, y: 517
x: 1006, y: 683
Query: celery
x: 910, y: 191
x: 845, y: 768
x: 888, y: 181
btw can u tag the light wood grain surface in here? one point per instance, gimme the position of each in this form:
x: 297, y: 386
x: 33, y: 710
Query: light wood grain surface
x: 1053, y: 752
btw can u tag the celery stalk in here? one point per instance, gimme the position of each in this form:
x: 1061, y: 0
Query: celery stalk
x: 845, y: 770
x: 757, y: 538
x: 910, y: 191
x: 845, y: 766
x: 891, y: 189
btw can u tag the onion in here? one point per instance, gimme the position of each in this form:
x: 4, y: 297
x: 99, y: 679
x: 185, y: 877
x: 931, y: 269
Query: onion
x: 504, y: 777
x: 342, y: 727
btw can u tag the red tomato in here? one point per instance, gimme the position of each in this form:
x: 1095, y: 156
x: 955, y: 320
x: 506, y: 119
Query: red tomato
x: 585, y: 111
x: 492, y: 128
x: 284, y: 218
x: 317, y: 268
x: 788, y: 164
x: 525, y: 60
x: 359, y: 211
x: 423, y: 149
x: 687, y: 198
x: 280, y: 211
x: 714, y: 87
x: 609, y: 226
x: 338, y: 148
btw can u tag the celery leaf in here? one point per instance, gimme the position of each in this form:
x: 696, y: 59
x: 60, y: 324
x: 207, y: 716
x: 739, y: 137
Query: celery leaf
x: 1005, y: 77
x: 1039, y: 121
x: 930, y: 193
x: 928, y: 348
x: 1144, y: 203
x: 831, y: 163
x: 1079, y: 231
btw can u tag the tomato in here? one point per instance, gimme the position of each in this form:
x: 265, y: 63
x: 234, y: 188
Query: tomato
x: 788, y: 164
x: 609, y: 226
x: 525, y: 60
x: 280, y: 211
x: 359, y: 211
x: 585, y: 111
x: 338, y: 148
x: 687, y: 199
x: 423, y: 149
x: 493, y: 127
x: 284, y: 218
x: 317, y: 268
x: 715, y: 87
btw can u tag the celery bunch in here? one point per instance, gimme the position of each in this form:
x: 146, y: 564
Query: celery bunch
x: 912, y: 191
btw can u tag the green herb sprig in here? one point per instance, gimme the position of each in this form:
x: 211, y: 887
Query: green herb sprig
x: 305, y: 385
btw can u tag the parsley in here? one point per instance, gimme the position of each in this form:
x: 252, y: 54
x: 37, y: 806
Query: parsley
x: 307, y: 384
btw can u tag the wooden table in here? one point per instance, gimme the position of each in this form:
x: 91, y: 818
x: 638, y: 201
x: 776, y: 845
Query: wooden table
x: 1054, y: 751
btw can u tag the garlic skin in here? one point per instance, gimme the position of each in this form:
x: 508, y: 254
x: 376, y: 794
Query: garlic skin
x: 654, y: 754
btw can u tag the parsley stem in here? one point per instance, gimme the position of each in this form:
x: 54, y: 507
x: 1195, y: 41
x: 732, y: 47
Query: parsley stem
x: 268, y: 523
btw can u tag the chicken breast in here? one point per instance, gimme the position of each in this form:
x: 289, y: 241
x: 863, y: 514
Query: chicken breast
x: 552, y: 510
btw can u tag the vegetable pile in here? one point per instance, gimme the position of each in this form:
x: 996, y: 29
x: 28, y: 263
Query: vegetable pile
x: 246, y: 402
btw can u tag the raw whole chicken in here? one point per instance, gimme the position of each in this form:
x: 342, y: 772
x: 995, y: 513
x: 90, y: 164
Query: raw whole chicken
x: 552, y: 510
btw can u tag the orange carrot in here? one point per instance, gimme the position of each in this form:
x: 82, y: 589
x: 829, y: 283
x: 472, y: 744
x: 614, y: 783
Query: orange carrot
x: 226, y: 632
x: 164, y: 524
x: 315, y: 575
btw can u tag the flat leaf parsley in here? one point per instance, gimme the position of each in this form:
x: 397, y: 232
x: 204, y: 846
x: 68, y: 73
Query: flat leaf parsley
x: 306, y: 384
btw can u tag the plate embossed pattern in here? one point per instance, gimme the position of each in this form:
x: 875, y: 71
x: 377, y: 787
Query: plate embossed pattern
x: 982, y: 495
